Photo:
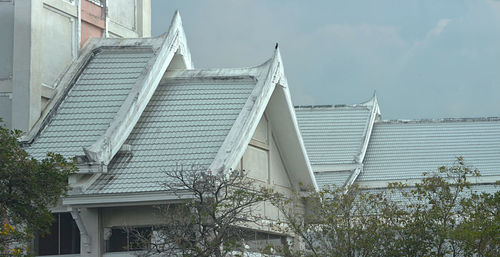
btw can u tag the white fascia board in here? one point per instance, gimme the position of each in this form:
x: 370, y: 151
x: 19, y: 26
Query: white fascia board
x: 236, y: 142
x: 374, y: 112
x: 360, y: 157
x: 125, y: 199
x: 303, y: 151
x: 289, y: 139
x: 108, y: 144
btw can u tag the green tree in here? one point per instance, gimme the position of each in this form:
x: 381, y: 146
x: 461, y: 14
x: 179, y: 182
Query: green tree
x: 439, y: 216
x: 479, y: 233
x: 28, y: 187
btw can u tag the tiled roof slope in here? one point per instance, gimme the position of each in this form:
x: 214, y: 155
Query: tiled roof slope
x: 400, y: 150
x: 332, y: 135
x: 185, y: 123
x: 92, y: 102
x: 332, y: 178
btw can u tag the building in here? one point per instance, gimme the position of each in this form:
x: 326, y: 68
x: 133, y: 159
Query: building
x: 128, y: 109
x: 40, y: 38
x: 349, y: 144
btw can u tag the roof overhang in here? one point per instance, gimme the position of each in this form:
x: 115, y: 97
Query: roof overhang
x: 125, y: 199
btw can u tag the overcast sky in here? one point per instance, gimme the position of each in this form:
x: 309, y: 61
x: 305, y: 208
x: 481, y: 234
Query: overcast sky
x: 425, y: 59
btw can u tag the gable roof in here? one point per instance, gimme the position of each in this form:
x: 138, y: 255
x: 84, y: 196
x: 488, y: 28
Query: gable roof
x: 204, y: 118
x: 403, y: 150
x: 103, y: 93
x: 184, y: 124
x: 140, y: 120
x: 336, y: 138
x: 92, y: 103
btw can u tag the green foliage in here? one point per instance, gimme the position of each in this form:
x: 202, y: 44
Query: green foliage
x: 439, y: 216
x: 28, y: 187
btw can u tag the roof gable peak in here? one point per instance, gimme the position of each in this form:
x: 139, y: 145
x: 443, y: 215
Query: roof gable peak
x: 174, y: 42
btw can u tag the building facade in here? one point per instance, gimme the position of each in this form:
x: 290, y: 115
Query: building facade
x: 129, y: 109
x: 84, y: 79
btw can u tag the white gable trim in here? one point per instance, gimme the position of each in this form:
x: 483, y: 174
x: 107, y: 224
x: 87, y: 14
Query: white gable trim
x: 360, y: 157
x: 241, y: 133
x: 103, y: 150
x: 235, y: 144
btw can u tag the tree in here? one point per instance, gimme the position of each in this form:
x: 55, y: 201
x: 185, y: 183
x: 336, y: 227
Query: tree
x: 439, y: 216
x: 479, y: 233
x: 209, y: 217
x: 335, y: 223
x: 28, y: 187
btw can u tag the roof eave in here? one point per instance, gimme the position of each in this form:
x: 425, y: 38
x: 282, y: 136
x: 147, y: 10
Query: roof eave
x: 125, y: 199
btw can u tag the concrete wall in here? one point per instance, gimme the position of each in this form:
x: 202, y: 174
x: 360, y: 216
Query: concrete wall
x: 129, y: 18
x: 6, y: 40
x: 6, y: 109
x: 58, y: 45
x: 6, y: 55
x: 40, y: 38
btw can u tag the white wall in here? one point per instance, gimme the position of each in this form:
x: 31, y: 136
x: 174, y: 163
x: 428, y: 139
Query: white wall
x: 58, y: 46
x: 129, y: 18
x: 262, y: 161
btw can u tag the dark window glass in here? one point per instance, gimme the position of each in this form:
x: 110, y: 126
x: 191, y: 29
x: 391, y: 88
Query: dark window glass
x: 64, y: 237
x: 139, y: 238
x: 69, y: 235
x: 129, y: 239
x: 48, y: 243
x: 118, y: 241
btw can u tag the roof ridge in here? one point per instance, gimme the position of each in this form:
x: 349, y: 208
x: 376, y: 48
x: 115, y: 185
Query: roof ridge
x: 440, y: 120
x: 331, y: 106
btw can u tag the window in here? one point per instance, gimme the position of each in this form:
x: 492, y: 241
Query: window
x: 129, y: 239
x: 258, y: 241
x: 63, y: 237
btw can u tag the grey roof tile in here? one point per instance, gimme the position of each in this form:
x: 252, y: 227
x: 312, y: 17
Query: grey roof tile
x: 404, y: 150
x: 92, y: 102
x: 332, y: 135
x: 184, y: 123
x: 332, y: 178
